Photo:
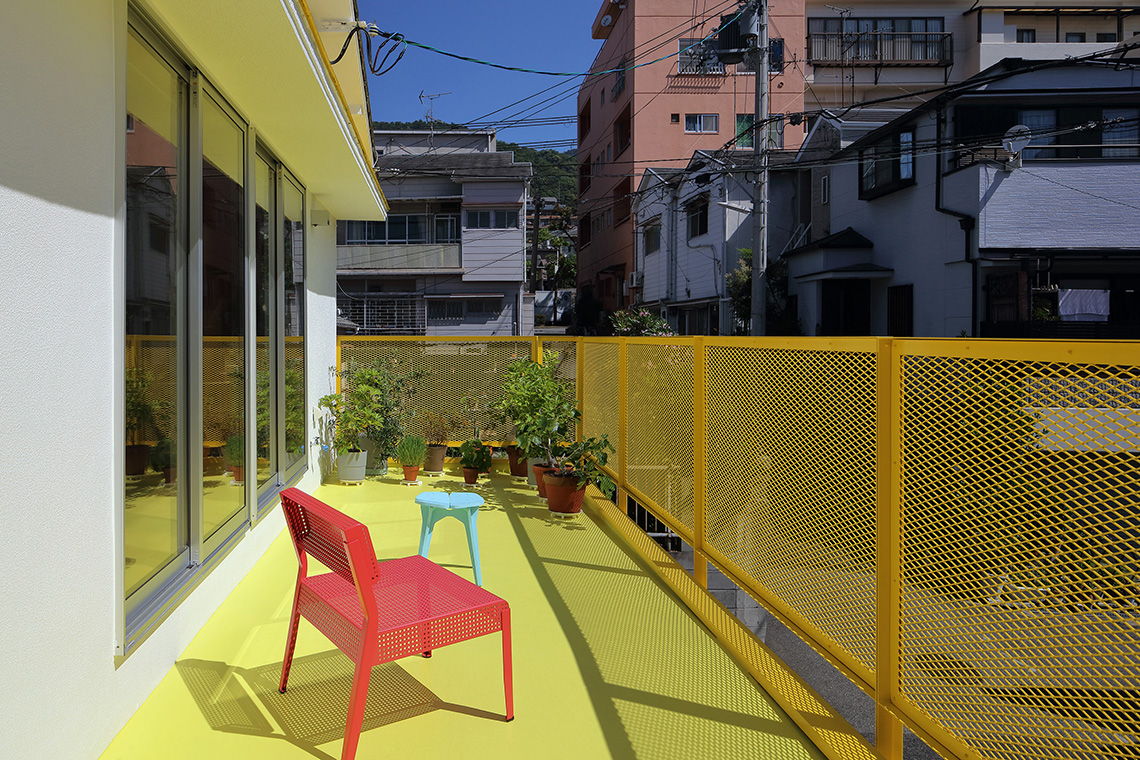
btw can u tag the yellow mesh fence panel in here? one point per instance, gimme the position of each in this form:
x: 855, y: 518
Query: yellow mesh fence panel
x: 659, y: 428
x: 461, y: 376
x: 791, y: 485
x: 223, y: 392
x: 600, y: 407
x: 567, y: 357
x: 157, y: 357
x: 1021, y: 551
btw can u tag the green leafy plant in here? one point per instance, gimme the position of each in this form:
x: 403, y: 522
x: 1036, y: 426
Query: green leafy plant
x: 143, y: 415
x: 372, y: 405
x: 475, y: 455
x: 636, y: 322
x: 538, y: 403
x: 162, y: 455
x: 585, y: 460
x: 411, y: 450
x: 235, y: 450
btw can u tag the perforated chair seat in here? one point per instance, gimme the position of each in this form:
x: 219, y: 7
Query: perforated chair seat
x: 377, y: 612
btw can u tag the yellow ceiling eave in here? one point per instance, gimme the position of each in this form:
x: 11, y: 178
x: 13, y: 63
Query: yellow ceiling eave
x: 362, y: 127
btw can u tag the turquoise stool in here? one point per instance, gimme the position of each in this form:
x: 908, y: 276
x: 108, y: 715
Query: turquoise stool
x: 436, y: 505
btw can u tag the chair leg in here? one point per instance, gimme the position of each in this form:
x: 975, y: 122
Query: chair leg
x: 473, y: 543
x: 508, y: 679
x: 427, y: 525
x: 291, y: 640
x: 356, y: 705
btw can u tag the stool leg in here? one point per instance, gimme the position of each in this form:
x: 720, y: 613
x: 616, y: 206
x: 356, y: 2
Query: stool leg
x: 426, y: 527
x: 473, y: 543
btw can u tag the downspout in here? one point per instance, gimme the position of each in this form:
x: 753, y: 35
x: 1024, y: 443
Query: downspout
x: 965, y: 221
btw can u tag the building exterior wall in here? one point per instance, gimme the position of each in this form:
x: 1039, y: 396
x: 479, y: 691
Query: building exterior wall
x: 652, y: 95
x: 61, y: 248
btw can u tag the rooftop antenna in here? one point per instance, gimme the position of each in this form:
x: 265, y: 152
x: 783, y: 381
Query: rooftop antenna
x: 431, y: 115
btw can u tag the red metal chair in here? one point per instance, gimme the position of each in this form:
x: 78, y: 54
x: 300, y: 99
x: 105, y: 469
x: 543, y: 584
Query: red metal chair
x: 376, y: 612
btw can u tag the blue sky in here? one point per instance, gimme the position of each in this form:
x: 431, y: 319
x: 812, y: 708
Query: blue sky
x: 542, y: 35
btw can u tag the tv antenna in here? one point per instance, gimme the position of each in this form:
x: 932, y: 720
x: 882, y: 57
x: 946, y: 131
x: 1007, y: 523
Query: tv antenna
x: 431, y: 115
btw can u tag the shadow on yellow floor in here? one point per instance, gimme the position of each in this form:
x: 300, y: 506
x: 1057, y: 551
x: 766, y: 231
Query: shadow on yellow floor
x: 313, y: 710
x: 607, y: 662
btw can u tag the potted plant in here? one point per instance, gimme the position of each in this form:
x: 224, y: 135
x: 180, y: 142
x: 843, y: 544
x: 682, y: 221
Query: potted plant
x: 474, y: 458
x: 540, y: 405
x: 410, y: 451
x: 162, y: 459
x: 140, y: 412
x: 235, y: 455
x: 437, y: 430
x: 573, y: 467
x: 371, y: 405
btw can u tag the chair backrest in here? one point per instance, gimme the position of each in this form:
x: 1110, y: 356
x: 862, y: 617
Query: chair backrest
x: 332, y: 538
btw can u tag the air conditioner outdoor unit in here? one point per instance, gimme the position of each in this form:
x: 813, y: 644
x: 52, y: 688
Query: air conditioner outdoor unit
x: 636, y: 279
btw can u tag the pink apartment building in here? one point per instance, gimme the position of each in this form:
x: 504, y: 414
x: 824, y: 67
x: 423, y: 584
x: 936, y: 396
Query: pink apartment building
x: 657, y: 115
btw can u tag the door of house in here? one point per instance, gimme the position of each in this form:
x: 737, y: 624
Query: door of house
x: 846, y: 307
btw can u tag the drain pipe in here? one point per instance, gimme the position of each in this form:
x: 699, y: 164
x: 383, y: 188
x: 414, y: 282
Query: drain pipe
x: 965, y: 221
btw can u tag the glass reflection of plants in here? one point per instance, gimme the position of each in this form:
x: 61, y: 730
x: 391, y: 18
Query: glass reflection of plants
x: 294, y: 409
x: 372, y: 405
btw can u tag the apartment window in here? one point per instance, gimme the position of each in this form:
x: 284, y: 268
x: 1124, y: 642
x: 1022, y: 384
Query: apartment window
x: 496, y: 219
x: 445, y: 309
x: 1074, y: 36
x: 825, y: 189
x: 1027, y: 35
x: 188, y: 298
x: 869, y: 41
x: 447, y: 228
x: 609, y: 152
x: 887, y: 166
x: 702, y: 123
x: 584, y: 230
x: 619, y: 80
x: 584, y: 121
x: 584, y: 172
x: 1115, y: 132
x: 697, y: 216
x: 623, y: 130
x: 651, y: 235
x: 690, y: 58
x: 674, y: 118
x: 623, y: 192
x: 1106, y: 37
x: 744, y: 123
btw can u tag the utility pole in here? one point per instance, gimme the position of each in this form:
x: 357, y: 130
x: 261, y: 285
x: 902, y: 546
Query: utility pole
x: 759, y: 52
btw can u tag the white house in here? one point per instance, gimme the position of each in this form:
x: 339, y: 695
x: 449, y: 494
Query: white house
x: 938, y: 229
x: 168, y: 183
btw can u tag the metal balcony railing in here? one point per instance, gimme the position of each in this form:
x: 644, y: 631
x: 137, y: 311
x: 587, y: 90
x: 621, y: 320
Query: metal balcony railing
x: 880, y: 49
x: 952, y: 523
x: 397, y: 257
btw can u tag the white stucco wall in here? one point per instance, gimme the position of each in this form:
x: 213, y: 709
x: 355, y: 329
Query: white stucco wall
x: 65, y: 693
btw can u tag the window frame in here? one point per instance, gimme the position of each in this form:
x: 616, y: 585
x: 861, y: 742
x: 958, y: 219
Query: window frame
x: 700, y: 122
x: 697, y: 216
x: 874, y: 181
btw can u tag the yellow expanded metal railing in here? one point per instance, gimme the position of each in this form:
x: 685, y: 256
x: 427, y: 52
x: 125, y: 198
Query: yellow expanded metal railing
x: 954, y: 524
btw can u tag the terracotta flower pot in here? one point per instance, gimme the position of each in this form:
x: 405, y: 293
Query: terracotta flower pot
x: 539, y: 471
x: 138, y: 454
x: 470, y: 475
x: 239, y: 474
x: 563, y: 494
x: 411, y: 473
x: 433, y: 462
x: 517, y: 461
x: 169, y: 474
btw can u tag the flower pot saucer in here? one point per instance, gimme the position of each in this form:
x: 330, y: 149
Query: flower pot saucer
x: 416, y: 482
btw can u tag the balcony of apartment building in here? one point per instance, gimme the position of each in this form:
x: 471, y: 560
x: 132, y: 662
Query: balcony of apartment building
x: 879, y: 42
x: 1050, y: 32
x: 404, y: 245
x: 949, y: 524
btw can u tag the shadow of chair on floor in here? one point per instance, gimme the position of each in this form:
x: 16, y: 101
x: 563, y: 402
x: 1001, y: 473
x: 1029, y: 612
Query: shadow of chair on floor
x: 313, y: 711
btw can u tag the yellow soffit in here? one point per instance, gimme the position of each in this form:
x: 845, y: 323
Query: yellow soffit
x: 266, y: 57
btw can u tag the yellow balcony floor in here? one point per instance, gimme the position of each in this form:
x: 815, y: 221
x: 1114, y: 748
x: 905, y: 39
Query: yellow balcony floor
x: 607, y: 661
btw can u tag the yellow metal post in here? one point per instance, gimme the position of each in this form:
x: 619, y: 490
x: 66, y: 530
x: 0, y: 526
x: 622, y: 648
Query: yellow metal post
x: 700, y: 464
x: 579, y: 383
x: 888, y: 565
x: 623, y: 419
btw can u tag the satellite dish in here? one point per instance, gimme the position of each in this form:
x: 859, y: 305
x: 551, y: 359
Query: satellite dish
x: 1016, y: 139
